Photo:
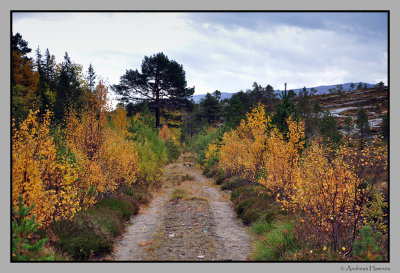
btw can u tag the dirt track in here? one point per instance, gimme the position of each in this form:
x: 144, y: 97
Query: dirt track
x: 199, y: 226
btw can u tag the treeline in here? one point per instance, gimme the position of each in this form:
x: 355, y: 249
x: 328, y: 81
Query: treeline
x: 305, y: 105
x: 73, y: 157
x: 308, y: 191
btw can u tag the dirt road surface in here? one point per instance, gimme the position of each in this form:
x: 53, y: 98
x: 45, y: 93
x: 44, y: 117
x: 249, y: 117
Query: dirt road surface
x: 197, y: 225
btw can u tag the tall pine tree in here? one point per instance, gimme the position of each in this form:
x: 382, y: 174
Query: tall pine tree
x: 162, y: 83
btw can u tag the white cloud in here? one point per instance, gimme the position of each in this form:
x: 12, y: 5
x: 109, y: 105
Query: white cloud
x: 214, y: 55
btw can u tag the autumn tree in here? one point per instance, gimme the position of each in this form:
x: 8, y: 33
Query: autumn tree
x: 161, y: 82
x: 24, y: 80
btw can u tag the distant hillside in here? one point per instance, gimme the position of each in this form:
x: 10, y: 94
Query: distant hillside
x: 324, y: 89
x: 224, y: 95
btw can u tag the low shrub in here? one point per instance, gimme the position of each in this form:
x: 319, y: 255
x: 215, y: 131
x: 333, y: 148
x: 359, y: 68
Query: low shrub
x: 80, y: 237
x: 138, y: 193
x: 108, y: 220
x: 127, y: 206
x: 220, y: 179
x: 233, y: 183
x: 90, y: 232
x: 250, y: 215
x: 241, y: 207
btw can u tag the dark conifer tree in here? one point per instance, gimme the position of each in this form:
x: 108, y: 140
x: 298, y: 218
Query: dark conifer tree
x: 210, y: 109
x: 162, y: 83
x: 363, y: 127
x: 20, y: 45
x: 91, y: 77
x: 68, y: 89
x: 49, y: 70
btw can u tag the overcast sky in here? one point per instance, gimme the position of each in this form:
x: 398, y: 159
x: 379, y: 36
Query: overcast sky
x: 224, y: 51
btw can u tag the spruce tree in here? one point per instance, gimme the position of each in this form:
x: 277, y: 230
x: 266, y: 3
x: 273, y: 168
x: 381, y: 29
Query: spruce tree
x: 362, y: 124
x: 91, y: 77
x: 39, y: 61
x: 68, y: 89
x: 22, y: 230
x: 329, y: 131
x: 210, y: 109
x: 49, y: 70
x: 283, y: 110
x: 270, y: 98
x: 348, y: 126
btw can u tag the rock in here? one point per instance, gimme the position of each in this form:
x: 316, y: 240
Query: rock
x: 171, y: 235
x: 201, y: 256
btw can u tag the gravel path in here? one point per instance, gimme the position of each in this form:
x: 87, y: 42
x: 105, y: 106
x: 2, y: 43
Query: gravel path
x: 200, y: 226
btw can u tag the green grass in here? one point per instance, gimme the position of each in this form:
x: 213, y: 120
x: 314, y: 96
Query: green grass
x: 261, y: 227
x: 276, y: 242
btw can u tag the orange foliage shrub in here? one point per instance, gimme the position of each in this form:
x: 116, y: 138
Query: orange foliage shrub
x: 119, y: 120
x: 334, y: 195
x: 119, y: 160
x: 38, y: 175
x: 23, y: 72
x: 242, y: 150
x: 167, y: 133
x: 281, y: 157
x: 105, y: 159
x: 328, y: 194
